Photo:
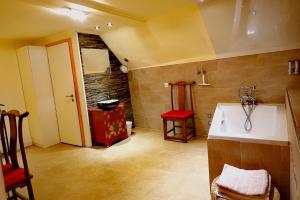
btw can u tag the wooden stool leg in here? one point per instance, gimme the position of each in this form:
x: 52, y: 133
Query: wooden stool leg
x: 14, y: 194
x: 194, y: 126
x: 165, y: 128
x: 184, y: 130
x: 174, y: 131
x: 30, y: 190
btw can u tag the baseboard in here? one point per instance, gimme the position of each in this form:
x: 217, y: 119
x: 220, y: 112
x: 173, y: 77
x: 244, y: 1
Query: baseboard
x: 27, y: 143
x: 43, y: 146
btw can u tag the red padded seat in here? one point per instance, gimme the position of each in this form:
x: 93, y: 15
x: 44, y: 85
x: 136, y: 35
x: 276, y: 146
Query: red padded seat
x: 181, y: 114
x: 13, y: 177
x: 7, y: 167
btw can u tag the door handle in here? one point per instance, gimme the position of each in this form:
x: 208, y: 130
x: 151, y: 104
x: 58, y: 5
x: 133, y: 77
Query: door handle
x: 71, y: 96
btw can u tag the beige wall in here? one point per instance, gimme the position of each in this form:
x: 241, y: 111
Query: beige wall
x: 10, y: 81
x: 11, y: 93
x: 267, y: 71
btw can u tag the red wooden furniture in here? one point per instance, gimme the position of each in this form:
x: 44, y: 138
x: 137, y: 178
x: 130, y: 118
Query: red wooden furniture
x: 15, y: 176
x: 181, y: 113
x: 108, y: 126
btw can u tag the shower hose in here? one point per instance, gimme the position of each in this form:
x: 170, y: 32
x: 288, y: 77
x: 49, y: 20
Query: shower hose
x: 248, y: 110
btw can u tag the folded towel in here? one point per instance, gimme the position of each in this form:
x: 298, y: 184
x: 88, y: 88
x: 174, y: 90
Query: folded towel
x: 232, y: 195
x: 244, y: 182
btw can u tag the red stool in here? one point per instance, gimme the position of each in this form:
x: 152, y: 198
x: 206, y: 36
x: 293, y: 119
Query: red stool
x: 182, y: 114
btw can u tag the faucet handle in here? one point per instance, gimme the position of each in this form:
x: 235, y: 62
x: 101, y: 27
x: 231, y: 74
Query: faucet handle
x: 248, y: 87
x: 246, y: 90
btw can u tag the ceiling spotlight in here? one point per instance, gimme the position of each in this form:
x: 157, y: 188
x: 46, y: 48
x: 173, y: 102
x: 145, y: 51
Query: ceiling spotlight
x: 97, y: 28
x: 72, y: 13
x: 109, y: 24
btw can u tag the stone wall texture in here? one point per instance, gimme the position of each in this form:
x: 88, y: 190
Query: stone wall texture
x: 98, y: 86
x: 268, y: 72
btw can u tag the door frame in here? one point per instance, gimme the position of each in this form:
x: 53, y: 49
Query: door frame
x: 75, y: 83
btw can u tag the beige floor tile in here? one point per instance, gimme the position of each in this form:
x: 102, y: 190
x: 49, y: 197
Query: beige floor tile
x: 142, y: 167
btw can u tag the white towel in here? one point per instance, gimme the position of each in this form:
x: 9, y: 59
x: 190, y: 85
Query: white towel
x: 244, y: 182
x: 233, y: 195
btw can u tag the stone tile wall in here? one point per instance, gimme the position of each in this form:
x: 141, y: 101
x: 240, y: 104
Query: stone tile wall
x: 98, y: 86
x: 268, y: 72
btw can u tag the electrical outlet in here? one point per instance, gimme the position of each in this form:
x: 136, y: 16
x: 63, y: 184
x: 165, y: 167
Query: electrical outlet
x: 166, y: 85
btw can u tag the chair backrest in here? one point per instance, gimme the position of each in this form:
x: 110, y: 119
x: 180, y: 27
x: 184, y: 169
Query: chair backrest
x: 15, y: 133
x: 4, y: 138
x: 181, y: 93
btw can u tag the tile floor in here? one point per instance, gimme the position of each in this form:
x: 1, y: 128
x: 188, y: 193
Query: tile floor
x: 142, y: 167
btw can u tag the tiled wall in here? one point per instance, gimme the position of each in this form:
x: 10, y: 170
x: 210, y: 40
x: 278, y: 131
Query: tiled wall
x: 97, y: 86
x: 268, y: 72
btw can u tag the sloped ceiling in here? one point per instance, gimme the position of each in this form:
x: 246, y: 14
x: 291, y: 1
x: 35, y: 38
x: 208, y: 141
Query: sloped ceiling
x: 147, y: 9
x: 32, y: 19
x: 168, y: 38
x: 160, y: 32
x: 238, y: 27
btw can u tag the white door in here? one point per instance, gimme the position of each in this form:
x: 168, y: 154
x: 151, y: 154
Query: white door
x: 64, y: 93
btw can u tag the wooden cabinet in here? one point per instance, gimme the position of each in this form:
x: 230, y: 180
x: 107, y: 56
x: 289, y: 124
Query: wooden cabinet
x: 38, y: 94
x: 108, y: 127
x: 292, y: 107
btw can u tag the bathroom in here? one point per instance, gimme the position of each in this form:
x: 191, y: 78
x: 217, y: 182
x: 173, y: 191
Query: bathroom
x: 224, y: 50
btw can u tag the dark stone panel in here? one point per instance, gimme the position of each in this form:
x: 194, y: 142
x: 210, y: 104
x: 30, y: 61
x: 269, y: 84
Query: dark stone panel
x: 98, y: 86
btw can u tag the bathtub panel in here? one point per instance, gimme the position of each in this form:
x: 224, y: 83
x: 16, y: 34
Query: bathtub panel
x: 285, y: 163
x: 221, y: 152
x: 273, y: 158
x: 293, y: 131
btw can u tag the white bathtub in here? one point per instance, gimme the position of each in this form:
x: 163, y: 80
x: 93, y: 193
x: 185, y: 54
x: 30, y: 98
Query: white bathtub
x: 269, y: 124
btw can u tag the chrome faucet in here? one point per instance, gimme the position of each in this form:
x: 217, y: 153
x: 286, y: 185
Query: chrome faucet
x: 246, y: 94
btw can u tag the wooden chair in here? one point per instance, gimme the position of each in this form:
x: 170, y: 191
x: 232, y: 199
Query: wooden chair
x: 181, y: 113
x: 4, y: 139
x: 15, y: 176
